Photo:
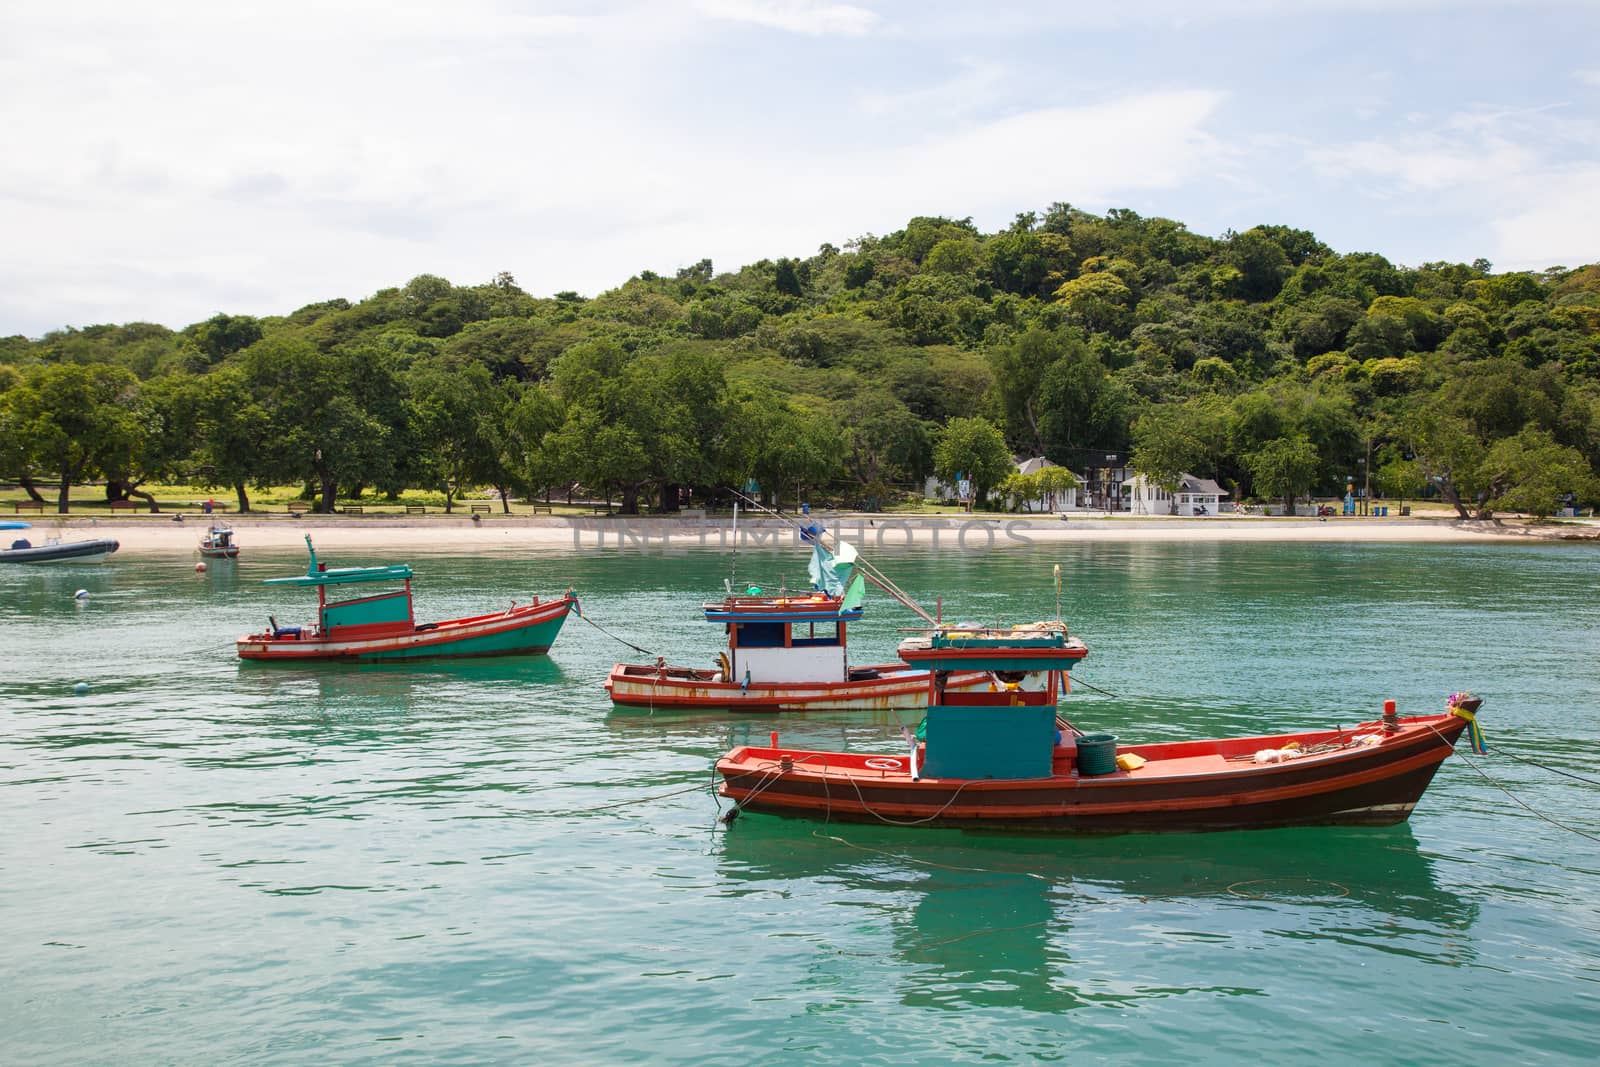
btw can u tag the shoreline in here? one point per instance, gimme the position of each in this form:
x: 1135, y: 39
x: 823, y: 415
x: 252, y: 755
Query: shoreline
x: 163, y: 535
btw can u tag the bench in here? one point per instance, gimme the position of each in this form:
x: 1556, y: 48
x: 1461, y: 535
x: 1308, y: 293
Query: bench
x: 210, y: 506
x: 601, y: 509
x: 540, y: 509
x: 28, y: 505
x: 122, y: 505
x: 416, y: 509
x: 353, y: 509
x: 482, y: 509
x: 299, y: 507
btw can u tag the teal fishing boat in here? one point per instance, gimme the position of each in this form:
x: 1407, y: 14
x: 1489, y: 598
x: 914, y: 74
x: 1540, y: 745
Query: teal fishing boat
x: 382, y: 626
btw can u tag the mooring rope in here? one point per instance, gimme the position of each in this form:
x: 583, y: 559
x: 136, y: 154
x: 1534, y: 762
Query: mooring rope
x: 624, y: 803
x: 208, y: 651
x: 1545, y: 767
x: 643, y: 651
x: 1516, y: 799
x: 1089, y: 685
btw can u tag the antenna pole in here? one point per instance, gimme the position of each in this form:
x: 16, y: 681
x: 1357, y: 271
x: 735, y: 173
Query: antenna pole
x: 733, y: 568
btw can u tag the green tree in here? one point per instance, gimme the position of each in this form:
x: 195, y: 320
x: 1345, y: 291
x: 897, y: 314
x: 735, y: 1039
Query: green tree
x: 782, y: 445
x: 71, y: 419
x: 973, y: 448
x: 1100, y: 302
x: 233, y: 432
x: 1046, y: 485
x: 523, y: 436
x: 883, y: 440
x: 1284, y: 468
x: 1171, y: 440
x: 449, y: 409
x: 321, y: 431
x: 1019, y: 369
x: 1448, y: 454
x: 167, y: 410
x: 1531, y: 473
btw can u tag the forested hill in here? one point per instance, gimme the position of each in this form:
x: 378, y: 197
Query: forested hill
x: 1263, y: 358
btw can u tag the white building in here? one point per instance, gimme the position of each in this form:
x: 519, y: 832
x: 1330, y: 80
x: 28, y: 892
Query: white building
x: 1060, y: 500
x: 1195, y: 496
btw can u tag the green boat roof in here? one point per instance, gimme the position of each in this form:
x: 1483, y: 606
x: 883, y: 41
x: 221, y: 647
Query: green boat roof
x: 347, y: 576
x: 318, y: 574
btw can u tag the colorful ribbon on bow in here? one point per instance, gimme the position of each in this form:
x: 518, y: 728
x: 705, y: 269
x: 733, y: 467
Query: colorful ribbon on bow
x: 1480, y: 747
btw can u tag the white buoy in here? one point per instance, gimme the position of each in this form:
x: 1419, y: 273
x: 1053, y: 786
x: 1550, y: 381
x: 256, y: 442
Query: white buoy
x: 200, y: 568
x: 82, y: 594
x: 81, y: 688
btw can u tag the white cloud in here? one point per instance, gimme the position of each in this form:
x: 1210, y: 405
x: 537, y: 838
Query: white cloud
x: 815, y: 18
x: 1588, y: 77
x: 259, y: 174
x: 976, y: 89
x: 1521, y: 182
x: 252, y: 159
x: 1552, y: 222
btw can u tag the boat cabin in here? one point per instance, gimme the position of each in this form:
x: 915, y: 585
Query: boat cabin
x: 1008, y: 730
x: 356, y: 618
x: 784, y: 639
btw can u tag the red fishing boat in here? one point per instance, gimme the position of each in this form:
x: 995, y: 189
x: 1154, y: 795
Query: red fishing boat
x: 784, y: 653
x: 1005, y: 760
x: 382, y: 626
x: 789, y: 653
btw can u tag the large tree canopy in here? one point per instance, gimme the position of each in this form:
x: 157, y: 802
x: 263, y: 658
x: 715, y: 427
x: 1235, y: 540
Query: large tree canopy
x: 845, y: 372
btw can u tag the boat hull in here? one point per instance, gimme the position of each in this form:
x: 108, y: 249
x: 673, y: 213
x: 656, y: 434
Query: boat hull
x: 1193, y: 786
x: 887, y: 686
x: 72, y: 552
x: 527, y: 630
x: 232, y: 552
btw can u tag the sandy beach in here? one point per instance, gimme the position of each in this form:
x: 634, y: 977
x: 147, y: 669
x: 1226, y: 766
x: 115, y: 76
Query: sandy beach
x: 165, y: 535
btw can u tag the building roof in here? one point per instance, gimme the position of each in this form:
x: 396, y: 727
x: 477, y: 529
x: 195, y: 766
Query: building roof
x: 1039, y: 463
x: 1190, y: 484
x: 1203, y: 486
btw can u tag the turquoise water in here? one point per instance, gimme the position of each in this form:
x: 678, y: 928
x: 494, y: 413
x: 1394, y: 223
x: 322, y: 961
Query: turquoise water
x: 205, y: 861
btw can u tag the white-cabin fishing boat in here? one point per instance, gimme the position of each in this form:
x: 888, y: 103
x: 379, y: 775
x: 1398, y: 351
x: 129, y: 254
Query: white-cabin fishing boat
x: 789, y: 652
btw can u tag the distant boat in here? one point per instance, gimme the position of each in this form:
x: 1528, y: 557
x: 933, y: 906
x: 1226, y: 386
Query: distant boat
x: 381, y: 626
x: 55, y: 550
x: 1005, y: 760
x: 218, y: 542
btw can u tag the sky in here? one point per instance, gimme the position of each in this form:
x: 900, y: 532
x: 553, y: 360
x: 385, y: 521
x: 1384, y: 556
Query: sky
x: 164, y: 162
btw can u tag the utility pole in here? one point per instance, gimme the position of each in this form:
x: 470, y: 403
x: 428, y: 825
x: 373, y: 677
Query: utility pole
x: 1366, y: 486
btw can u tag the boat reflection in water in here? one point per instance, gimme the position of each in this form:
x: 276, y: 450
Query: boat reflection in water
x: 378, y: 692
x: 1047, y: 924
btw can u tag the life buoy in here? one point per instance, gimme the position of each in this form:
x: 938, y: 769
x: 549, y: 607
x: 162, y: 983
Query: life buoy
x: 723, y: 662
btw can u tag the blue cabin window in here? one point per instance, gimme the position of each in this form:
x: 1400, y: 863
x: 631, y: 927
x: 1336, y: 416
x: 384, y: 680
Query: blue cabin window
x: 760, y: 634
x: 811, y: 634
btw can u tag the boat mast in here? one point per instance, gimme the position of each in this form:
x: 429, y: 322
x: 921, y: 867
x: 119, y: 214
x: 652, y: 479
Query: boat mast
x: 733, y: 567
x: 872, y: 574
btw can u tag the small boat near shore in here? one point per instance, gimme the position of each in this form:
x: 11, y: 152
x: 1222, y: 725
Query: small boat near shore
x: 54, y: 550
x: 1006, y: 761
x: 218, y: 543
x: 382, y: 626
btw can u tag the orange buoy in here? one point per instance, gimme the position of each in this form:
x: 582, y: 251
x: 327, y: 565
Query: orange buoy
x: 200, y: 568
